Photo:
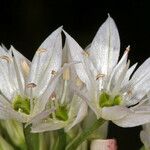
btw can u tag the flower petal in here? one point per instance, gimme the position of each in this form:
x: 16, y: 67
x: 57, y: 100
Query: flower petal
x: 80, y: 112
x: 48, y: 126
x: 47, y: 58
x: 19, y: 59
x: 105, y: 47
x: 133, y: 119
x: 114, y: 112
x: 76, y: 54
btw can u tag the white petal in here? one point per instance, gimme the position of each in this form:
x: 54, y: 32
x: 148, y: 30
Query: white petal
x: 105, y: 47
x: 142, y: 70
x: 133, y: 119
x: 54, y: 65
x: 43, y: 99
x: 18, y: 60
x: 114, y: 112
x: 80, y: 114
x: 76, y: 54
x: 128, y: 74
x: 139, y: 83
x: 117, y: 85
x: 7, y: 86
x: 48, y: 126
x: 93, y: 103
x: 40, y: 116
x: 44, y: 54
x: 117, y: 71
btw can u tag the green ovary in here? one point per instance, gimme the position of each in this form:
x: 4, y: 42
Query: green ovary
x: 21, y: 104
x: 105, y: 100
x: 61, y: 113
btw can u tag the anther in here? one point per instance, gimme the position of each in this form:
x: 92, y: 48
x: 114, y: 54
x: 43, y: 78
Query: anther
x: 129, y: 92
x: 53, y: 96
x: 4, y: 57
x: 41, y: 50
x: 86, y: 54
x: 53, y: 72
x: 100, y: 75
x: 25, y: 67
x: 31, y: 85
x: 66, y: 74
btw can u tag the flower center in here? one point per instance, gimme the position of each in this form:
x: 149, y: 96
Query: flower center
x: 105, y: 100
x: 21, y: 104
x: 61, y: 113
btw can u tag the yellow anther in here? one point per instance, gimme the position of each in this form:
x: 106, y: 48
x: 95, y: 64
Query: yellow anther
x: 66, y: 74
x: 86, y: 54
x: 31, y: 85
x: 41, y: 50
x: 25, y: 68
x: 4, y: 57
x: 100, y: 75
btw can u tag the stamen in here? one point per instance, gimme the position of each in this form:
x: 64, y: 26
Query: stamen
x: 41, y: 50
x: 31, y: 85
x: 53, y: 72
x: 86, y: 54
x: 4, y: 57
x: 66, y: 74
x: 64, y: 92
x: 25, y: 67
x: 53, y: 96
x: 129, y: 92
x: 100, y: 75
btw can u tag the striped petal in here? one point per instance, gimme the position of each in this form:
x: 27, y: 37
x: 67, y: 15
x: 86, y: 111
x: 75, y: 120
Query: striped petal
x: 105, y: 47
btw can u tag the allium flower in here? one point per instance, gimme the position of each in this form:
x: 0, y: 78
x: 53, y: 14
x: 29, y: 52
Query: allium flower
x: 145, y: 136
x: 26, y: 87
x: 70, y: 109
x: 112, y: 90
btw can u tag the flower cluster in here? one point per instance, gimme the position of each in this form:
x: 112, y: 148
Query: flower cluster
x: 73, y: 92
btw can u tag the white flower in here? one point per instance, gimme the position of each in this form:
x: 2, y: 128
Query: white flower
x: 26, y: 87
x: 112, y: 91
x: 70, y: 109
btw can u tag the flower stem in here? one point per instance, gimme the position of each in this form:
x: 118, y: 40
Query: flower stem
x: 60, y: 145
x: 32, y: 139
x: 84, y: 135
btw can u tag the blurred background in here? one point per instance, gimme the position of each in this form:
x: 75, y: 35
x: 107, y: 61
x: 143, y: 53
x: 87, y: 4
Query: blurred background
x: 26, y: 23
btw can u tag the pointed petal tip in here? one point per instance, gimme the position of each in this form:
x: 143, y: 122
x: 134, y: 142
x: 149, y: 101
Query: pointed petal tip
x: 109, y: 17
x: 59, y: 28
x: 66, y: 34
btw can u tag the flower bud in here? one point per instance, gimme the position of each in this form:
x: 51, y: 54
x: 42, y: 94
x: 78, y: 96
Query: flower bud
x: 108, y: 144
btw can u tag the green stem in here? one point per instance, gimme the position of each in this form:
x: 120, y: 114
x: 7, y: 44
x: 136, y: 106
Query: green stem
x: 61, y: 140
x: 32, y: 139
x: 84, y: 135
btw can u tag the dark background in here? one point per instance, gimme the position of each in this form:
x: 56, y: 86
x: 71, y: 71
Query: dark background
x: 26, y: 23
